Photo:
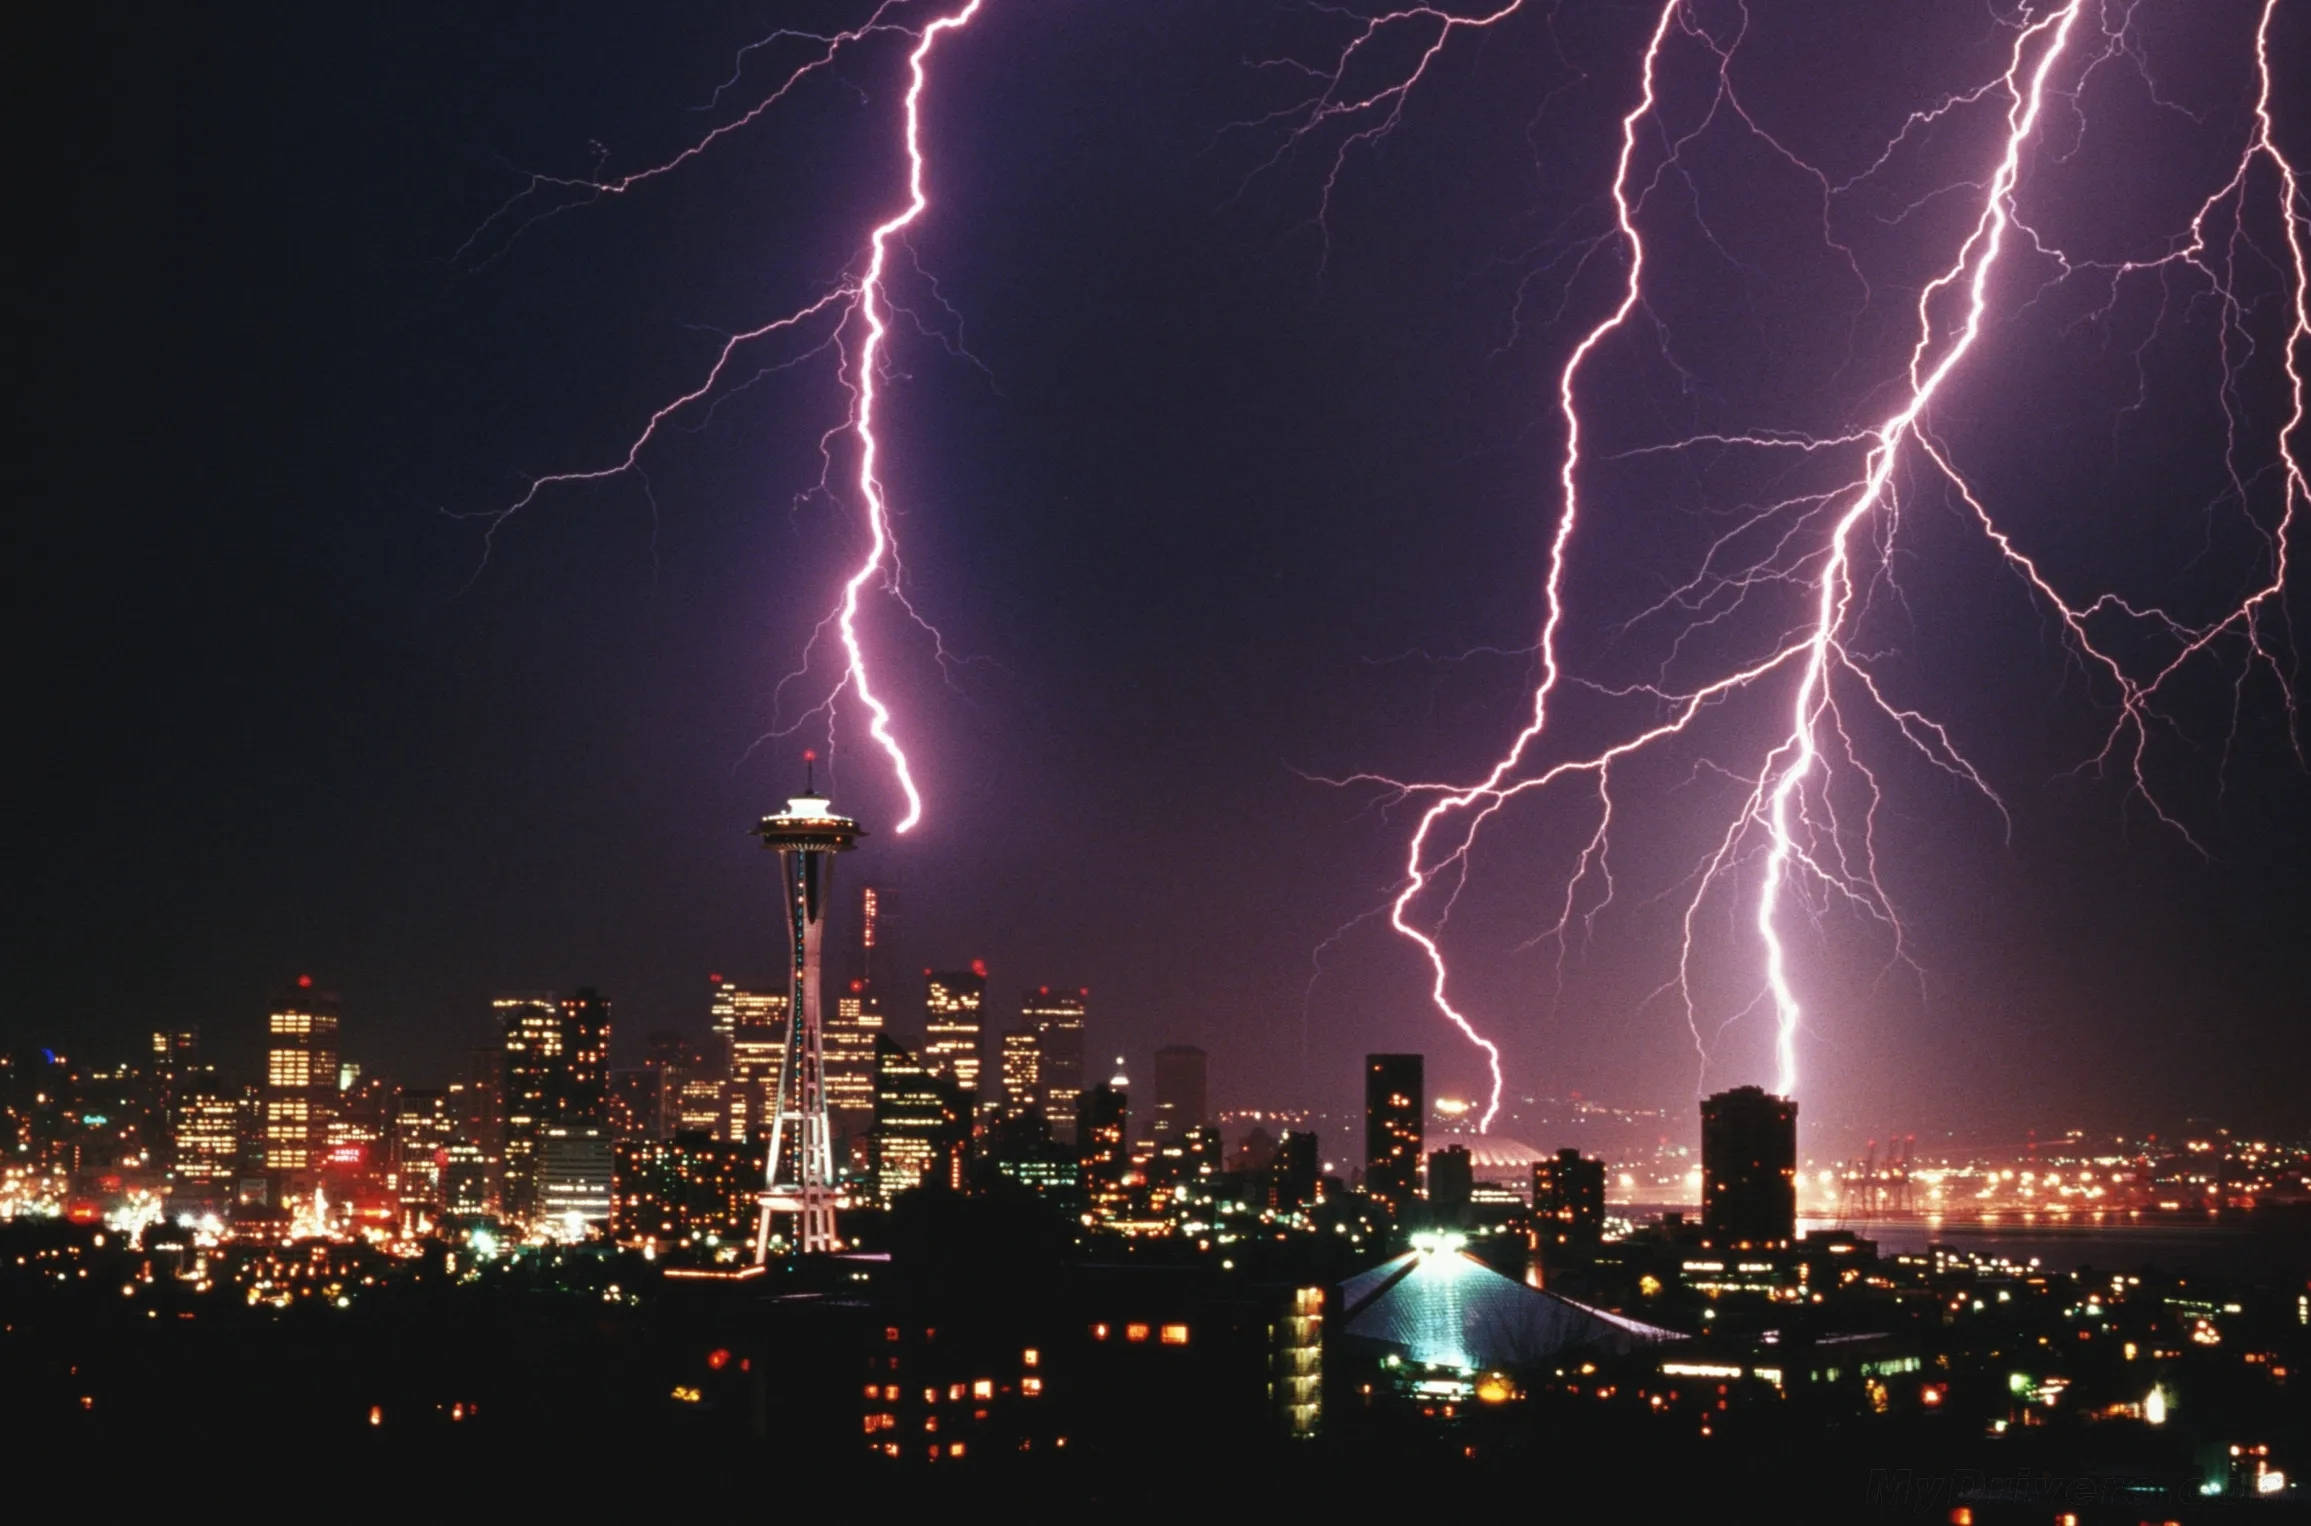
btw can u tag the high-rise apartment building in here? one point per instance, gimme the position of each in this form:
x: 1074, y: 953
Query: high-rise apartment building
x: 1394, y: 1104
x: 1181, y: 1074
x: 300, y: 1093
x: 1057, y: 1018
x: 953, y: 1001
x: 1748, y: 1169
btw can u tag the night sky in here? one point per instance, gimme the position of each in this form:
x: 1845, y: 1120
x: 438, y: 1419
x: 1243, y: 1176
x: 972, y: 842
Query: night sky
x: 1203, y: 503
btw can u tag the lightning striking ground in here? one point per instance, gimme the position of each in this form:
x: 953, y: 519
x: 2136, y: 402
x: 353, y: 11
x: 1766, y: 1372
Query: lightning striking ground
x: 1833, y: 547
x: 850, y: 318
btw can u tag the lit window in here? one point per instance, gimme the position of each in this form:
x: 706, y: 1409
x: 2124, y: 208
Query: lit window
x: 1030, y: 1357
x: 954, y: 1449
x: 983, y: 1389
x: 1135, y: 1332
x: 1031, y: 1385
x: 1099, y: 1333
x: 1175, y: 1335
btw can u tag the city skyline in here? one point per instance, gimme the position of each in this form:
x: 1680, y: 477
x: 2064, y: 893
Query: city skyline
x: 429, y: 778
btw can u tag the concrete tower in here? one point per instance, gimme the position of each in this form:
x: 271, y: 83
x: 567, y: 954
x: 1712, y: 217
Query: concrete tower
x: 800, y: 1170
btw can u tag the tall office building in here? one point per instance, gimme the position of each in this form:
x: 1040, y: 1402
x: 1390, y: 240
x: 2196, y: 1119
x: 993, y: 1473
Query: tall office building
x: 750, y: 1028
x: 207, y: 1145
x: 1022, y: 1073
x: 1295, y: 1171
x: 1180, y: 1084
x: 582, y: 1080
x: 952, y: 1003
x: 424, y: 1127
x: 921, y: 1125
x: 574, y: 1180
x: 530, y: 1043
x: 850, y: 1067
x: 799, y: 1173
x: 850, y: 1034
x: 1748, y: 1168
x: 1103, y: 1118
x: 300, y: 1078
x: 1568, y: 1199
x: 176, y: 1068
x: 1057, y: 1018
x: 1394, y: 1107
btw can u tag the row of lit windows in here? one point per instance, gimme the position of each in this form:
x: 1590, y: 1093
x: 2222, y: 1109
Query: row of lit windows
x: 1169, y: 1335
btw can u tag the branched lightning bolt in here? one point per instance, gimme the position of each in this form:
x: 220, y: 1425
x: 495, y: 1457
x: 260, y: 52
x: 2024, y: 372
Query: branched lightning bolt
x: 852, y: 318
x: 1833, y: 547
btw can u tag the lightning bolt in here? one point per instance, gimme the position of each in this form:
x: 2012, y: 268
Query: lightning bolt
x: 1833, y: 547
x: 851, y: 318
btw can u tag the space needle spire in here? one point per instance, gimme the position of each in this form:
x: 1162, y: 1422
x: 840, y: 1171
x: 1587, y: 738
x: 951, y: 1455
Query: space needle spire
x: 799, y: 1173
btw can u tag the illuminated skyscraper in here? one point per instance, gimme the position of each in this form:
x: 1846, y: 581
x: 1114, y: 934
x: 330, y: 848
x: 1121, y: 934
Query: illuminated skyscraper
x: 1568, y: 1199
x: 921, y: 1124
x: 850, y: 1039
x: 751, y: 1027
x: 1022, y: 1071
x: 1057, y: 1018
x: 799, y: 1175
x: 850, y: 1078
x: 574, y: 1180
x: 1103, y: 1146
x: 952, y: 1002
x: 530, y: 1039
x: 1180, y: 1084
x: 1393, y: 1109
x: 207, y: 1144
x: 300, y: 1078
x: 582, y: 1078
x: 1748, y: 1168
x: 423, y: 1130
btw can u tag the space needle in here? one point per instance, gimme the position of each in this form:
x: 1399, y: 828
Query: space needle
x: 799, y: 1175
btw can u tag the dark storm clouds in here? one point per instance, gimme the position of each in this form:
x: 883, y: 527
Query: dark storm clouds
x: 1213, y: 478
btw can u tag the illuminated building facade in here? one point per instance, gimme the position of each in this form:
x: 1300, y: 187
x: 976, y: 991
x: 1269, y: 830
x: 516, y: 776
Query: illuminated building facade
x: 530, y: 1038
x: 1394, y: 1109
x: 1103, y: 1146
x: 921, y: 1124
x: 752, y: 1027
x: 952, y: 1003
x: 1181, y: 1100
x: 1568, y: 1199
x: 691, y: 1192
x: 1296, y: 1366
x: 208, y: 1143
x: 1057, y: 1018
x: 300, y: 1078
x: 799, y: 1174
x: 851, y: 1032
x: 1748, y: 1168
x: 423, y: 1130
x: 1022, y: 1072
x: 574, y: 1180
